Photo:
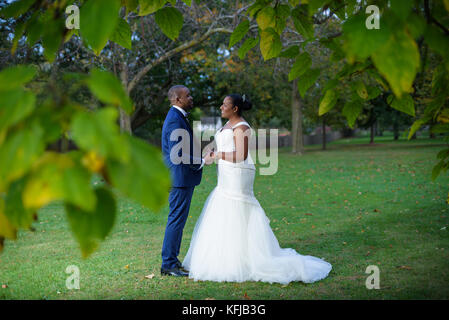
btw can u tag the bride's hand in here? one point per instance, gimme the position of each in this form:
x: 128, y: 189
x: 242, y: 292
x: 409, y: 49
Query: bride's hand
x: 209, y: 158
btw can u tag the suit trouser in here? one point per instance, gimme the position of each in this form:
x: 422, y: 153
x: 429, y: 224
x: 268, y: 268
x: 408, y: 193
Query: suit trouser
x: 179, y: 204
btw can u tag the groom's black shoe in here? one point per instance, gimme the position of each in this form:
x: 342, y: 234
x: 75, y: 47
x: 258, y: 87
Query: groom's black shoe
x: 176, y: 272
x: 179, y: 266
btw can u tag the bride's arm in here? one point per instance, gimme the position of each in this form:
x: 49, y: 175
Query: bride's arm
x: 241, y: 137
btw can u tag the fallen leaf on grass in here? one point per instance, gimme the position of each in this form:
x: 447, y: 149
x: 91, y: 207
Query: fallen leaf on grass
x: 246, y: 296
x: 150, y: 276
x: 404, y: 267
x: 126, y: 267
x: 4, y: 286
x: 209, y: 299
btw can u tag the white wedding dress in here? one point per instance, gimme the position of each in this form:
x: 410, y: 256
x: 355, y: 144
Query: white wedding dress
x: 232, y: 239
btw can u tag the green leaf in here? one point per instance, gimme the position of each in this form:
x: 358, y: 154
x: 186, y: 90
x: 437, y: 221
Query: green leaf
x: 404, y: 104
x: 146, y: 179
x: 293, y: 3
x: 443, y: 154
x: 437, y: 169
x: 58, y: 177
x: 360, y: 88
x: 91, y: 227
x: 266, y: 18
x: 307, y: 80
x: 15, y: 105
x: 52, y: 38
x: 361, y: 42
x: 440, y: 128
x: 314, y: 5
x: 188, y: 2
x: 398, y: 61
x: 108, y: 89
x: 150, y: 6
x: 18, y: 152
x: 122, y: 34
x: 246, y: 46
x: 7, y: 230
x: 98, y: 20
x: 16, y: 76
x: 239, y: 32
x: 436, y: 40
x: 415, y: 126
x: 16, y: 9
x: 351, y: 111
x: 34, y: 30
x: 328, y: 102
x: 290, y: 52
x: 301, y: 65
x: 302, y: 24
x: 282, y: 11
x: 270, y: 44
x: 373, y: 92
x: 402, y: 8
x: 131, y: 5
x: 330, y: 84
x: 170, y: 21
x: 99, y: 132
x: 17, y: 214
x: 416, y: 25
x: 257, y: 6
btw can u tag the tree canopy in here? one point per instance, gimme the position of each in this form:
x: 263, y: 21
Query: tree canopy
x: 383, y: 48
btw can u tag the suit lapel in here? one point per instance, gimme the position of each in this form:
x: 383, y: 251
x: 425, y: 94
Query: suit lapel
x: 183, y: 118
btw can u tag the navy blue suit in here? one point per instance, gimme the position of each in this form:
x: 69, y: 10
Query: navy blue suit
x: 186, y: 171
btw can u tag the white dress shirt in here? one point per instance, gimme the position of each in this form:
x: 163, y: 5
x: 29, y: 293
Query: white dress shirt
x: 184, y: 113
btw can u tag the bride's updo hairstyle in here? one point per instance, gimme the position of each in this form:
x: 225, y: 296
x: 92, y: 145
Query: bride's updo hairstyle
x: 242, y: 102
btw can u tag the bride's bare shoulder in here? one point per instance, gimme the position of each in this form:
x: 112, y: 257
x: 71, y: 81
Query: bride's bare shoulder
x: 242, y: 125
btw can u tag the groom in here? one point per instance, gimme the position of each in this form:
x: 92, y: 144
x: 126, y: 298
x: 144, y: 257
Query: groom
x: 185, y: 170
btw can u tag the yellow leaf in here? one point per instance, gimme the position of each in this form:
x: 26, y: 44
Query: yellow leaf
x: 150, y: 276
x: 93, y: 161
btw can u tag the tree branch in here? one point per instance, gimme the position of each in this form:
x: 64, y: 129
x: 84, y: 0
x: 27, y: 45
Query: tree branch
x: 169, y: 54
x: 430, y: 18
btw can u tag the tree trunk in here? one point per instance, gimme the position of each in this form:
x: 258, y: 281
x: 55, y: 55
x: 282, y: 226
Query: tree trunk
x: 64, y: 144
x: 125, y: 119
x: 324, y: 133
x: 396, y: 130
x: 379, y: 129
x: 297, y: 137
x: 371, y: 140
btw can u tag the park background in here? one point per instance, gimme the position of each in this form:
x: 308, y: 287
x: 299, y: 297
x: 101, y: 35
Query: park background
x: 81, y: 110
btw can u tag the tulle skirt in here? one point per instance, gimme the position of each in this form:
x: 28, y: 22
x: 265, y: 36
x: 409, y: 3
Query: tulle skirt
x: 232, y: 239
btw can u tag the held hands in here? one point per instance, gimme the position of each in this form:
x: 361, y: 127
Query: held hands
x: 210, y: 157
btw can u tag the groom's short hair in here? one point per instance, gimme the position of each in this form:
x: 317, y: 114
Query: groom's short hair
x: 174, y: 92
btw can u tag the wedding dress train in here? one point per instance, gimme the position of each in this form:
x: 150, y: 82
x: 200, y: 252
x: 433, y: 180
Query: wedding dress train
x: 232, y: 239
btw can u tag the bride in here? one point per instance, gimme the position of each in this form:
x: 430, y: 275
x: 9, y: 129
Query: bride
x: 232, y: 239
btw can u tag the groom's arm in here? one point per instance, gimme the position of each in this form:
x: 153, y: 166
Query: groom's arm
x: 180, y: 147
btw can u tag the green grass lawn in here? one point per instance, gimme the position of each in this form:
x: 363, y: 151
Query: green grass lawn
x: 354, y: 205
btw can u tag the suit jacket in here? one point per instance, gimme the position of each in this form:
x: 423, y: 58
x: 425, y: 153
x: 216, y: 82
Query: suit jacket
x: 188, y: 172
